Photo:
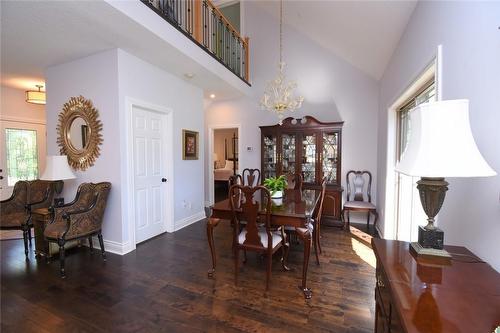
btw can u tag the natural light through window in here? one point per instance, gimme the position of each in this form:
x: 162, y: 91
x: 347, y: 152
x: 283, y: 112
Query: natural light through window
x: 364, y: 252
x: 22, y: 155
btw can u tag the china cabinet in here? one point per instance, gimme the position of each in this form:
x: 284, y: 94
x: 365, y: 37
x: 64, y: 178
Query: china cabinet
x: 310, y: 147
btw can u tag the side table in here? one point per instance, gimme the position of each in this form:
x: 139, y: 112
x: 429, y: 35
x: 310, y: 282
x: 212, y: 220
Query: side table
x: 40, y: 218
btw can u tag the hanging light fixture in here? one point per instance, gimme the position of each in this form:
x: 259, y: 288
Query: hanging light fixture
x: 278, y: 96
x: 36, y: 97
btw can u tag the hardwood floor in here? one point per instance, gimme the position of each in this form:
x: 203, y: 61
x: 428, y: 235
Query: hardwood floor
x: 163, y: 287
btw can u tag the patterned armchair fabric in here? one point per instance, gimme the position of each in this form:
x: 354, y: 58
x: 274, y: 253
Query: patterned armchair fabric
x: 83, y: 216
x: 15, y: 212
x: 26, y: 196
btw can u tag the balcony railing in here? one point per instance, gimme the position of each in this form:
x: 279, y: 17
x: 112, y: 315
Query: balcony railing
x: 203, y: 23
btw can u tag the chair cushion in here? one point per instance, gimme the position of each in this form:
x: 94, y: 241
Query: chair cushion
x: 263, y: 237
x: 11, y: 220
x: 56, y: 229
x: 290, y: 228
x: 359, y: 204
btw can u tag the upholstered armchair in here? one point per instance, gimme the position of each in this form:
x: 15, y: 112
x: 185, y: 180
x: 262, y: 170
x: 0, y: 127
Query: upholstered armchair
x: 16, y: 210
x: 81, y: 218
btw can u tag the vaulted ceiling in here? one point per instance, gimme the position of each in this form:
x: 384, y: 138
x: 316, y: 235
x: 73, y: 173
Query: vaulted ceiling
x: 364, y: 33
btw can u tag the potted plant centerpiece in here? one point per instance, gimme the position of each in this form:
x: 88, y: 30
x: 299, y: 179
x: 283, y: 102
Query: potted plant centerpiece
x: 275, y: 185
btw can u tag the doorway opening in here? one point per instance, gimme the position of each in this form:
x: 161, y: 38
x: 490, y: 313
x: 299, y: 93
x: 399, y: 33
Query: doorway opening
x: 224, y: 152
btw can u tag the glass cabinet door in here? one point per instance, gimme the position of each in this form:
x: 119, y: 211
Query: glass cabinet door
x: 308, y: 164
x: 270, y: 156
x: 288, y: 149
x: 330, y: 156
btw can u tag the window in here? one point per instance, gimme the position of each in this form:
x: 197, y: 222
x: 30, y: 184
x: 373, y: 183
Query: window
x: 409, y: 212
x: 22, y: 155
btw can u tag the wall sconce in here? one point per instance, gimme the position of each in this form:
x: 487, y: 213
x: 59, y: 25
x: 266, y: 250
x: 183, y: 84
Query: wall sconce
x: 36, y: 97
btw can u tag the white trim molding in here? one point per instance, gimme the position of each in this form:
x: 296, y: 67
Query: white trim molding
x: 128, y: 199
x: 189, y: 220
x: 112, y: 246
x: 24, y: 120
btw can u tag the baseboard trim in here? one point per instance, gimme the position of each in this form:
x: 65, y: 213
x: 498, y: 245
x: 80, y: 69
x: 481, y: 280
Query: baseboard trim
x: 112, y: 246
x: 178, y: 225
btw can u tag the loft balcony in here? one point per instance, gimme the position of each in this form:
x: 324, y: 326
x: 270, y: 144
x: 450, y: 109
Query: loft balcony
x: 206, y: 26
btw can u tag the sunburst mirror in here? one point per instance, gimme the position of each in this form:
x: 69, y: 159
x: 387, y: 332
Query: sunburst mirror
x: 79, y: 133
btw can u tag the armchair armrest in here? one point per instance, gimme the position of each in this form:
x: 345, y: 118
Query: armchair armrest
x: 29, y: 206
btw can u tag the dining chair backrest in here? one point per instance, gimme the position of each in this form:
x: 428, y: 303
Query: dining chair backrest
x: 235, y: 179
x: 294, y: 181
x: 252, y: 205
x: 359, y: 184
x: 318, y: 208
x: 251, y: 177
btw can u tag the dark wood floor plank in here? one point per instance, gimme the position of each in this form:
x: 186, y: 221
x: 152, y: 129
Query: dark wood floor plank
x: 163, y: 287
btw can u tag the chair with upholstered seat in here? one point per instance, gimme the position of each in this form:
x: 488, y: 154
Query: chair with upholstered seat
x: 16, y: 210
x: 251, y: 177
x: 81, y: 218
x: 257, y: 235
x: 359, y: 197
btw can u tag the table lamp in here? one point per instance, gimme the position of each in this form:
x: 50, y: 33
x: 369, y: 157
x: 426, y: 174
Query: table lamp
x: 57, y: 169
x: 440, y: 145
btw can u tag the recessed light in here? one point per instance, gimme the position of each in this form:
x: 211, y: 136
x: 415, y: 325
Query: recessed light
x: 212, y: 96
x: 189, y: 75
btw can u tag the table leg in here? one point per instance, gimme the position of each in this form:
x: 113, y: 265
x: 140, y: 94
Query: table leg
x: 211, y: 224
x: 306, y: 236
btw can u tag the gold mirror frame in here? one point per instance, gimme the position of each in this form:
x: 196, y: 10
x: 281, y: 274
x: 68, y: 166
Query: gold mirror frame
x: 79, y: 159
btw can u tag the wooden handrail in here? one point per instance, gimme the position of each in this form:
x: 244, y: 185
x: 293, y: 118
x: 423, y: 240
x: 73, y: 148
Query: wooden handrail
x: 226, y: 22
x: 204, y: 23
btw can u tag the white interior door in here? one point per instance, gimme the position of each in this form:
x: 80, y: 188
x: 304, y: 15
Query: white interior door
x: 150, y: 188
x: 22, y: 153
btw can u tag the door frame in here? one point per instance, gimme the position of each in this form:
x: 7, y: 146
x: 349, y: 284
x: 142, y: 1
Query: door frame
x: 432, y: 68
x: 211, y: 133
x: 128, y: 199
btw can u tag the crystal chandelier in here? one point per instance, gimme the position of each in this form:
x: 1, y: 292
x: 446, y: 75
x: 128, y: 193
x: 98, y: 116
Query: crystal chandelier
x: 278, y: 96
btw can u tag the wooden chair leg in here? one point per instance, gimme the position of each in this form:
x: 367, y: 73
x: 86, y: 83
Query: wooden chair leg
x: 368, y: 222
x: 25, y: 238
x: 101, y: 244
x: 375, y: 221
x: 269, y: 268
x: 285, y: 247
x: 91, y: 245
x: 315, y: 243
x: 236, y: 265
x: 319, y: 238
x: 61, y: 258
x: 348, y: 220
x: 244, y: 256
x: 29, y: 235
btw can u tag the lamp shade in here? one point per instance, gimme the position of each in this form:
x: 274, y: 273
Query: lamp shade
x: 57, y: 168
x: 215, y: 157
x: 441, y: 143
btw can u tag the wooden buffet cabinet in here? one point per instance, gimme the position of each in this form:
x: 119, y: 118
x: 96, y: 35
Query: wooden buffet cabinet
x: 425, y: 296
x: 310, y: 147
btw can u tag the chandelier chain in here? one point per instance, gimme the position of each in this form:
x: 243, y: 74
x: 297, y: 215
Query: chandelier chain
x: 281, y: 31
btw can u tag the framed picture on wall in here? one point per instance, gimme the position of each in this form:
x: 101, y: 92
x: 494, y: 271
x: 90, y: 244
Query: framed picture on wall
x: 189, y: 145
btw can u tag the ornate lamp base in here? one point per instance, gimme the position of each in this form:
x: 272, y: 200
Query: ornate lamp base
x: 431, y: 238
x: 421, y: 251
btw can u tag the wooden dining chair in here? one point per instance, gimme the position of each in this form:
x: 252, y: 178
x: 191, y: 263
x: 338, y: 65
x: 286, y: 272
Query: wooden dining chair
x: 294, y: 181
x: 257, y: 234
x: 359, y: 197
x: 251, y: 177
x: 316, y: 220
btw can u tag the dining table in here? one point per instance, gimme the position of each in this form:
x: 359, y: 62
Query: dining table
x: 294, y: 210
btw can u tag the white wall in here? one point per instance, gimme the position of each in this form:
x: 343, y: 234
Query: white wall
x: 107, y: 79
x: 95, y: 78
x: 333, y: 91
x: 469, y: 34
x: 141, y: 81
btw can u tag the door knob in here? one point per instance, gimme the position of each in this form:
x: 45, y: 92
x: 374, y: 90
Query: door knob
x: 164, y: 180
